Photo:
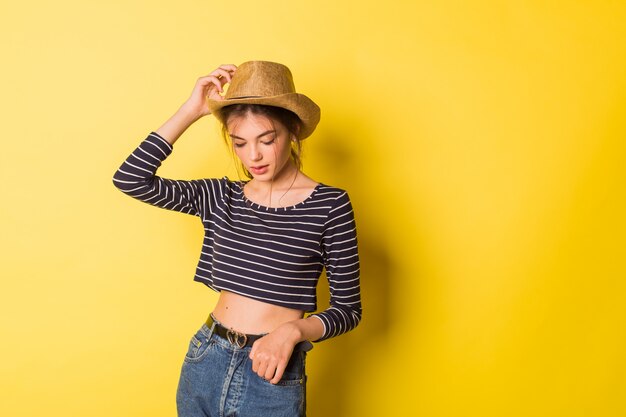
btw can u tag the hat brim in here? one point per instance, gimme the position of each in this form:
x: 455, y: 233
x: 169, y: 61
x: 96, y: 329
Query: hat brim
x: 301, y: 105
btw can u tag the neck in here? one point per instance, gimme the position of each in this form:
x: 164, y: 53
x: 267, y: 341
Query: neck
x: 283, y: 181
x: 272, y: 192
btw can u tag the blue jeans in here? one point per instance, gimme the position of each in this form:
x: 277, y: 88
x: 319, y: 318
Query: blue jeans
x: 217, y: 380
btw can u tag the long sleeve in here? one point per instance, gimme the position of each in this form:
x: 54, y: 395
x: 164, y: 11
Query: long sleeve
x: 341, y: 260
x: 136, y: 178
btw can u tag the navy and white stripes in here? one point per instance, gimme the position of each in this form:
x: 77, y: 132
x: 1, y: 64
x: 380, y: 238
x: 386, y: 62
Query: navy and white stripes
x: 275, y: 255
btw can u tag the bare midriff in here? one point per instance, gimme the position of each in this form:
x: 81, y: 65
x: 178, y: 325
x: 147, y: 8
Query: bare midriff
x: 250, y: 316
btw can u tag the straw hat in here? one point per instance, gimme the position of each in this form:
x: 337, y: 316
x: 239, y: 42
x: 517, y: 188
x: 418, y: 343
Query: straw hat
x: 269, y: 83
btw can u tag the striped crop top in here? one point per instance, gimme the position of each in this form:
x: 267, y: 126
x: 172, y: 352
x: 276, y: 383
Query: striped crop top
x: 274, y: 255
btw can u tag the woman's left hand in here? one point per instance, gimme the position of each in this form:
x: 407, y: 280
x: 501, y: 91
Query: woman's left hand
x: 270, y: 354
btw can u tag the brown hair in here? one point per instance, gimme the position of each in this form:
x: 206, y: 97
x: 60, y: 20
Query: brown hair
x: 287, y: 118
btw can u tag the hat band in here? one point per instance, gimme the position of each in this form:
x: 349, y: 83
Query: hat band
x: 236, y: 98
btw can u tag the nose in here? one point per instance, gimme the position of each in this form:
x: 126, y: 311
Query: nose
x: 255, y: 153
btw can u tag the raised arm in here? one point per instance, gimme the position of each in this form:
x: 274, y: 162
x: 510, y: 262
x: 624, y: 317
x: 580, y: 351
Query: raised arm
x: 211, y: 87
x: 137, y: 174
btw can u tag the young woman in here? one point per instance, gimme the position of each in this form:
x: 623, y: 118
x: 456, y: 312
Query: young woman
x: 266, y: 242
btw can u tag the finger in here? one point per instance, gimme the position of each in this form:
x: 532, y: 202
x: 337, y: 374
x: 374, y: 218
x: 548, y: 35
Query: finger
x: 252, y: 351
x: 261, y: 368
x: 229, y: 67
x: 214, y: 94
x: 225, y: 71
x: 218, y: 83
x: 270, y: 371
x: 207, y: 80
x: 280, y: 369
x: 221, y: 73
x: 256, y: 363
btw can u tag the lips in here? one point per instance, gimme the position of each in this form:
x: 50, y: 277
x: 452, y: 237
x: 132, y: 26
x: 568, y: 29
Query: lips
x: 258, y: 170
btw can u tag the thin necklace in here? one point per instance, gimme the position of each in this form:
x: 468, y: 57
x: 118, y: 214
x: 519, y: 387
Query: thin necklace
x: 270, y: 193
x: 292, y: 183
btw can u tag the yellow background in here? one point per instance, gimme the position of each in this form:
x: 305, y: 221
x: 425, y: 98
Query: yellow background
x: 483, y: 146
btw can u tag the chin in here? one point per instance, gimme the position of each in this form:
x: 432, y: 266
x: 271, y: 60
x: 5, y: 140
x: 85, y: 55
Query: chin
x: 262, y: 177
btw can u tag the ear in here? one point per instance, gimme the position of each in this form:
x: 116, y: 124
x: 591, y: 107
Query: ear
x: 298, y: 129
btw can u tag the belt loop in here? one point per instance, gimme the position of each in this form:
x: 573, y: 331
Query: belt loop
x: 213, y: 324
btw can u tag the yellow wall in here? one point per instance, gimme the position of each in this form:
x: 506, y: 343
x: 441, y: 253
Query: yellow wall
x: 483, y: 146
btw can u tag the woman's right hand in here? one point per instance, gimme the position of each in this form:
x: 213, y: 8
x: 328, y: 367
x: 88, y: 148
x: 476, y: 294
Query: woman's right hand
x: 209, y: 87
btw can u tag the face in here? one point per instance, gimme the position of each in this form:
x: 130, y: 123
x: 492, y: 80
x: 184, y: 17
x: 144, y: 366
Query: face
x: 262, y: 146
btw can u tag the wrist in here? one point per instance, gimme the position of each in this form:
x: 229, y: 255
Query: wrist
x: 307, y: 329
x: 187, y: 114
x: 294, y: 331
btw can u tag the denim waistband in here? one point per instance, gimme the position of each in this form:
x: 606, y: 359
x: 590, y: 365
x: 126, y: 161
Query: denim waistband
x: 301, y: 346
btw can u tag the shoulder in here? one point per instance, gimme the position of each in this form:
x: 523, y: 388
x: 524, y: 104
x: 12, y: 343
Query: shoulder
x: 338, y: 199
x: 331, y: 190
x: 338, y: 195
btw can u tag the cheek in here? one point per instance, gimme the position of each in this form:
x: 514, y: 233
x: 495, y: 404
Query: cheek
x: 284, y: 151
x: 238, y: 152
x: 274, y: 152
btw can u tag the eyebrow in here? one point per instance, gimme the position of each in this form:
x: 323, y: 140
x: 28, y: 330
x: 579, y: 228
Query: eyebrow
x: 260, y: 136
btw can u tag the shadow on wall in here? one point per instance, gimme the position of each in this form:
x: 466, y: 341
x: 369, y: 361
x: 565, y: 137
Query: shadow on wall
x: 340, y: 361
